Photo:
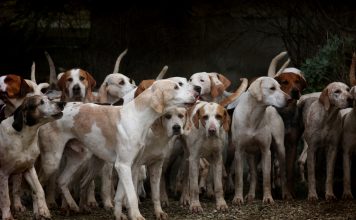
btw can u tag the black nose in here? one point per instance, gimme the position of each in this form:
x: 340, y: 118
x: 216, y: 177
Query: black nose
x: 76, y: 89
x: 295, y: 94
x: 176, y: 128
x: 197, y: 89
x: 350, y: 101
x: 212, y: 131
x: 61, y: 105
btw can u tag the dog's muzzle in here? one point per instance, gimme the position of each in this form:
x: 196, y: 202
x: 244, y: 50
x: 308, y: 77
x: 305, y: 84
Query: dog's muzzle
x: 295, y: 94
x: 76, y: 90
x: 197, y: 89
x: 212, y: 131
x: 176, y: 129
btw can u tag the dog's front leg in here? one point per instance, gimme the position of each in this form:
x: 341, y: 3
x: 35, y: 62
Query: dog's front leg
x: 106, y: 183
x: 253, y: 178
x: 4, y: 197
x: 239, y: 156
x: 312, y: 195
x: 125, y: 175
x: 330, y: 165
x: 266, y: 170
x: 193, y: 184
x: 347, y: 194
x: 40, y: 208
x: 218, y: 188
x: 155, y: 171
x: 282, y: 162
x: 16, y: 193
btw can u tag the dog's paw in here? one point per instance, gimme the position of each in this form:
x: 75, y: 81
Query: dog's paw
x: 222, y: 206
x: 161, y: 215
x: 330, y: 197
x: 19, y: 208
x: 42, y: 214
x: 268, y: 200
x: 287, y: 195
x: 238, y: 200
x: 164, y: 203
x: 195, y: 207
x: 138, y: 217
x: 347, y: 196
x: 92, y: 204
x: 108, y: 205
x: 312, y: 198
x: 184, y: 200
x: 52, y: 205
x: 121, y: 217
x: 249, y: 198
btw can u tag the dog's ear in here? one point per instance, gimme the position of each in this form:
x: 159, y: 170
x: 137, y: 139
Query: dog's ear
x: 145, y: 84
x: 157, y: 102
x: 196, y: 119
x: 226, y: 121
x: 62, y: 82
x: 18, y: 119
x: 157, y: 127
x: 103, y: 93
x: 324, y: 99
x: 225, y: 81
x: 303, y: 83
x: 216, y: 87
x: 353, y: 92
x: 91, y: 80
x: 255, y: 90
x: 24, y: 88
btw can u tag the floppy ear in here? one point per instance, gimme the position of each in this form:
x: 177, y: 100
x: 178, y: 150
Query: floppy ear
x: 196, y: 119
x: 324, y: 99
x: 91, y: 80
x: 24, y: 88
x: 157, y: 127
x: 226, y: 121
x: 62, y: 82
x: 303, y: 82
x: 103, y: 93
x: 225, y: 81
x: 256, y: 90
x: 18, y: 119
x: 157, y: 101
x: 145, y: 84
x: 216, y: 88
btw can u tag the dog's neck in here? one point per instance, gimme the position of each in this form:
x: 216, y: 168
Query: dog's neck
x: 329, y: 115
x: 254, y: 110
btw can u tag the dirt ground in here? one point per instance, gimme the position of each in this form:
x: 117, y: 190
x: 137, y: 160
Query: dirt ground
x: 297, y: 209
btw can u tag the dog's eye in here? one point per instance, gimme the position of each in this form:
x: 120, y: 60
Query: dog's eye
x: 337, y: 91
x: 205, y: 117
x: 180, y: 116
x: 168, y: 116
x: 348, y: 89
x: 176, y: 87
x: 70, y: 79
x: 219, y: 117
x: 190, y: 80
x: 180, y: 83
x: 41, y: 102
x: 284, y: 82
x: 81, y: 78
x: 122, y: 82
x: 201, y: 80
x: 273, y: 88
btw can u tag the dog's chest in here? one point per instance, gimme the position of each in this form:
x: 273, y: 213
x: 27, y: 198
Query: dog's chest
x: 252, y: 140
x: 210, y: 147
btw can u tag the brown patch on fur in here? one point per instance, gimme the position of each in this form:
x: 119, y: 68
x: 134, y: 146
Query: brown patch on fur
x: 225, y: 117
x: 291, y: 82
x: 216, y: 90
x: 143, y: 86
x: 225, y: 81
x: 105, y: 118
x: 324, y: 99
x: 16, y: 86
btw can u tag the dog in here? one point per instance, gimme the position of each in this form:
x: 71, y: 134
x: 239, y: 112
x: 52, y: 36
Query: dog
x: 211, y: 86
x: 206, y: 135
x: 19, y: 149
x: 116, y: 138
x: 323, y: 128
x: 255, y: 123
x: 293, y: 83
x: 76, y: 85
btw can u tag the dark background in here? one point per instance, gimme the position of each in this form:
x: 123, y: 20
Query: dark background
x: 236, y: 38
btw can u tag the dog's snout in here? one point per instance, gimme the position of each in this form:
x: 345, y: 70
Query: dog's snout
x: 176, y: 129
x: 76, y: 89
x: 61, y: 105
x: 350, y: 101
x: 212, y: 131
x: 197, y: 89
x: 288, y: 99
x: 295, y: 94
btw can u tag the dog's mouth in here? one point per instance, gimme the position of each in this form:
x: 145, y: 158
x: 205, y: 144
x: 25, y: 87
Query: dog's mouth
x: 58, y: 115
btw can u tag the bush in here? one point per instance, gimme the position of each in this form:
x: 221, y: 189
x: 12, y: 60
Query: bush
x: 331, y: 63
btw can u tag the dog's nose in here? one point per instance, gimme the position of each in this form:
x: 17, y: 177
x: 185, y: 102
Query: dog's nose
x: 197, y: 89
x: 176, y: 129
x: 289, y: 99
x: 350, y: 101
x: 212, y: 131
x: 76, y: 89
x: 295, y: 94
x: 61, y: 105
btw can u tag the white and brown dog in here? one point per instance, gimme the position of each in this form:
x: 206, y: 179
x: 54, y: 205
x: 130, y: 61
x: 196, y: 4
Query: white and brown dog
x: 116, y: 138
x: 254, y: 125
x: 19, y: 149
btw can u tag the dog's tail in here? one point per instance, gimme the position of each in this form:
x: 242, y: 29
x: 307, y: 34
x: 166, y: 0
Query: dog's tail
x: 273, y: 64
x: 52, y: 72
x: 283, y: 67
x: 352, y: 70
x: 162, y: 73
x: 236, y: 94
x: 33, y: 70
x: 117, y: 64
